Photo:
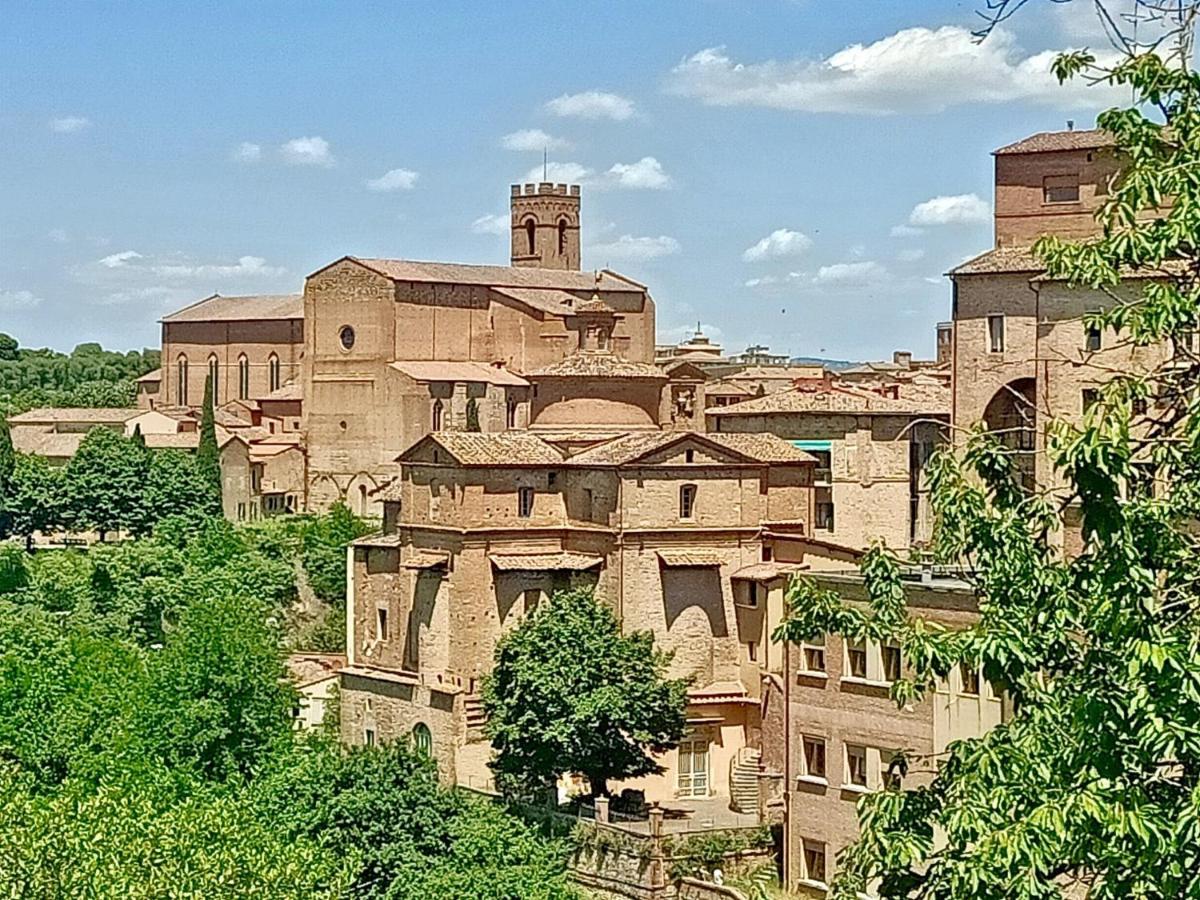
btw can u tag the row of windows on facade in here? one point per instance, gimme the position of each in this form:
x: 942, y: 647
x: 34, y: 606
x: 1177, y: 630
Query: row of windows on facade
x: 530, y: 226
x: 437, y: 415
x: 420, y: 736
x: 875, y: 662
x: 526, y: 495
x: 274, y: 373
x: 1093, y: 336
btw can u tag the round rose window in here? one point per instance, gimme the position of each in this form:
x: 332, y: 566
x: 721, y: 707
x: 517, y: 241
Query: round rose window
x: 346, y: 336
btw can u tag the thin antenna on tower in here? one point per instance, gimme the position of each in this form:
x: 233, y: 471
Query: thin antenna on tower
x: 545, y: 164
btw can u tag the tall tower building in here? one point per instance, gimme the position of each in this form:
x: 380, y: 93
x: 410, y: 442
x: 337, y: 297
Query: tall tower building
x: 545, y: 226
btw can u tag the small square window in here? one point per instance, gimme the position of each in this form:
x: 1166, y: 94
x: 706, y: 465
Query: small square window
x: 689, y: 456
x: 814, y: 756
x: 856, y: 765
x: 525, y: 502
x: 814, y: 861
x: 1089, y: 397
x: 1092, y: 339
x: 890, y: 658
x: 687, y: 501
x: 995, y: 325
x: 856, y: 659
x: 812, y: 657
x: 970, y: 678
x: 551, y: 479
x: 752, y: 589
x: 369, y: 737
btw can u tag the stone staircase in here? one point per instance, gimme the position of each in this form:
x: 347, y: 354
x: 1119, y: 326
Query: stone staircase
x: 474, y: 716
x: 743, y: 781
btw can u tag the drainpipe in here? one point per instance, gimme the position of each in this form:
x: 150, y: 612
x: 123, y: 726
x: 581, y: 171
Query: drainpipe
x: 350, y: 605
x: 788, y: 879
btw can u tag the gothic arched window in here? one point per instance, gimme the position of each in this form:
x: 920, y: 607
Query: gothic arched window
x: 531, y: 235
x: 214, y: 375
x: 273, y: 372
x: 437, y: 415
x: 562, y: 237
x: 181, y: 375
x: 243, y: 377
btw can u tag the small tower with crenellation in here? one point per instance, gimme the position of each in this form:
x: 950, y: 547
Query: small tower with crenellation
x: 545, y: 225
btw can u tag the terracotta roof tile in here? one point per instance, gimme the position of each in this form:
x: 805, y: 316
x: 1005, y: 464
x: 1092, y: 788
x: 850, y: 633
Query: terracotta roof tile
x: 100, y: 415
x: 544, y: 562
x: 1051, y: 141
x: 923, y: 399
x: 40, y: 442
x: 309, y: 668
x: 253, y: 307
x: 689, y: 558
x: 548, y: 300
x: 151, y: 376
x: 289, y: 391
x: 628, y: 448
x: 498, y: 276
x: 595, y: 364
x: 495, y: 449
x: 999, y: 261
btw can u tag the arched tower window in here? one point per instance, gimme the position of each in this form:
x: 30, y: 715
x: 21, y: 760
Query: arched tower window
x: 422, y: 739
x: 181, y: 375
x: 362, y: 499
x: 562, y: 237
x: 214, y: 375
x: 531, y: 235
x: 273, y: 372
x: 243, y: 377
x: 438, y: 409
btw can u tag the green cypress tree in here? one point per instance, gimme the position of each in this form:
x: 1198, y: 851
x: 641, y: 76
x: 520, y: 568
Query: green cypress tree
x: 7, y: 463
x: 208, y: 455
x: 139, y: 439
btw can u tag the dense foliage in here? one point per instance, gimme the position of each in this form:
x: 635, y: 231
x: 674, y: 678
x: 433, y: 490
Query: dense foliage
x: 87, y: 376
x: 1092, y: 788
x: 147, y: 746
x: 571, y: 694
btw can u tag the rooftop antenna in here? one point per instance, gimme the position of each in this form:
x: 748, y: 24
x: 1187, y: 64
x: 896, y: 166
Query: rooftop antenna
x: 1070, y: 124
x: 545, y: 164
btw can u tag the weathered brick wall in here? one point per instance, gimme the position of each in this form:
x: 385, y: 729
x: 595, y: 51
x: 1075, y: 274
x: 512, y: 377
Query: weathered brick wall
x: 228, y: 341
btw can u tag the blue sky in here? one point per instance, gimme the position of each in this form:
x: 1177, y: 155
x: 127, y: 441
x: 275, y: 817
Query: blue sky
x: 788, y: 172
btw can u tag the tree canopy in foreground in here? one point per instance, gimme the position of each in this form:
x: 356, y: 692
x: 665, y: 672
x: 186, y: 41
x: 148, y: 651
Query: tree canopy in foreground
x: 1092, y: 788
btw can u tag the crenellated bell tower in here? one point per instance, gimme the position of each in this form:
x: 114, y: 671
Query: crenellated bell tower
x: 545, y: 225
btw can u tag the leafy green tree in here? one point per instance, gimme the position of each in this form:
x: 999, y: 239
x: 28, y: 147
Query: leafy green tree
x: 1092, y: 788
x: 104, y: 481
x: 208, y: 454
x: 7, y: 464
x: 35, y: 499
x: 8, y: 347
x: 175, y: 486
x: 324, y: 550
x: 217, y: 700
x: 570, y: 693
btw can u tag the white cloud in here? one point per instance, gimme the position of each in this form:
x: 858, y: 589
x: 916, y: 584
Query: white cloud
x: 530, y: 139
x: 491, y: 224
x: 69, y: 124
x: 628, y: 247
x: 854, y: 273
x: 13, y: 300
x: 645, y: 174
x: 58, y: 235
x: 960, y: 209
x: 307, y: 151
x: 119, y: 260
x: 910, y: 255
x: 916, y: 70
x: 246, y: 152
x: 568, y: 172
x: 394, y: 180
x: 592, y: 105
x: 780, y: 242
x: 906, y: 231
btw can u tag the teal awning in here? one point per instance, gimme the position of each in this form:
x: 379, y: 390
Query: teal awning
x: 811, y: 445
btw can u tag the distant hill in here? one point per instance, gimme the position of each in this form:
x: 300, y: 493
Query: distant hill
x: 835, y: 365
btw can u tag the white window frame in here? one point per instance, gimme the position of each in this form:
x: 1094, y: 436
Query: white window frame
x: 691, y: 780
x: 805, y: 774
x: 996, y: 339
x: 805, y: 647
x: 806, y: 876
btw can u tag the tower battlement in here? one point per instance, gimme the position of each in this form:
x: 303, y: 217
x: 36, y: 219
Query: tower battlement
x: 544, y: 188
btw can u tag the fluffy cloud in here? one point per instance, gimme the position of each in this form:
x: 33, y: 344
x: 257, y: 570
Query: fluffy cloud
x: 119, y: 260
x: 394, y: 180
x: 530, y: 139
x: 645, y: 174
x: 246, y: 152
x: 14, y: 300
x: 916, y: 70
x: 568, y: 172
x: 855, y: 273
x: 906, y: 231
x: 592, y: 105
x: 491, y: 224
x: 780, y: 242
x: 307, y: 151
x: 960, y: 209
x: 69, y: 124
x: 628, y: 247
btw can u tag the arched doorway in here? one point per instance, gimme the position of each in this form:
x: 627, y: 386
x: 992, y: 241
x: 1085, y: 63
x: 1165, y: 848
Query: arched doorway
x: 1011, y: 415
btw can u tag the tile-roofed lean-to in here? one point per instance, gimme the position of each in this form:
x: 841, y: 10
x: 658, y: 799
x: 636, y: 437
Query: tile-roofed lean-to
x: 498, y: 276
x: 835, y: 400
x: 458, y: 372
x: 1003, y: 260
x: 1054, y: 141
x: 109, y: 415
x: 761, y: 448
x: 250, y: 308
x: 502, y: 448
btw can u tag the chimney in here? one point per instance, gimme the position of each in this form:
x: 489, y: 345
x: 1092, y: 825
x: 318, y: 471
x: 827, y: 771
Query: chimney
x: 902, y: 358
